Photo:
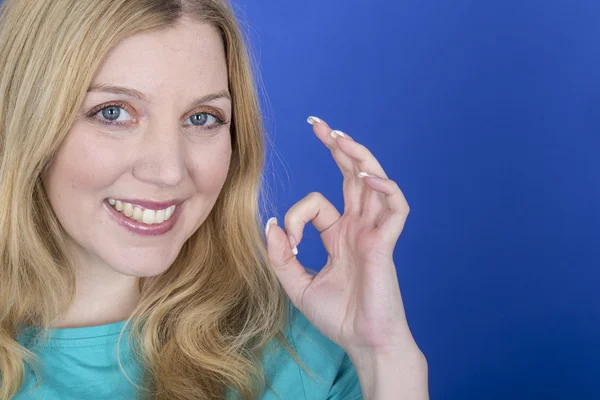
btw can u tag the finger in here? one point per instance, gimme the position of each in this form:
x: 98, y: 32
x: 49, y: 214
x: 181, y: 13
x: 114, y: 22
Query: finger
x: 364, y: 159
x: 323, y: 132
x: 352, y: 188
x: 373, y: 205
x: 291, y: 274
x: 372, y: 202
x: 314, y: 208
x: 393, y: 218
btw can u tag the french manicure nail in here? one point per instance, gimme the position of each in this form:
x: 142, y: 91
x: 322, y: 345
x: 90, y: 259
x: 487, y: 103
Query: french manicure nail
x: 292, y: 240
x: 312, y: 120
x: 335, y: 133
x: 269, y: 223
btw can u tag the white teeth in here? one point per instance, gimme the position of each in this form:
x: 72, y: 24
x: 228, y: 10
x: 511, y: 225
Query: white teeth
x: 148, y: 217
x: 142, y: 215
x: 128, y: 210
x: 137, y: 214
x: 169, y: 212
x: 160, y: 217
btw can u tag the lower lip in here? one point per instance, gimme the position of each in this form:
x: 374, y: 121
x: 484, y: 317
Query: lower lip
x: 143, y: 229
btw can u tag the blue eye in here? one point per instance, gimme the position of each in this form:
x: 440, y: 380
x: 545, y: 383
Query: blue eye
x: 113, y: 113
x: 117, y: 114
x: 201, y: 118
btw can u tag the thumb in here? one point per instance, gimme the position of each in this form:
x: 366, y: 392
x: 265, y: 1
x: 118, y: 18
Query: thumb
x: 291, y: 274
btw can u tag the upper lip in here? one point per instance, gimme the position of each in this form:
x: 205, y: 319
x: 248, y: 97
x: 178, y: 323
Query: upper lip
x: 150, y: 204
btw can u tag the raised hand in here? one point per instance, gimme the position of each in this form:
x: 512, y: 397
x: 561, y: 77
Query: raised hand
x: 355, y: 299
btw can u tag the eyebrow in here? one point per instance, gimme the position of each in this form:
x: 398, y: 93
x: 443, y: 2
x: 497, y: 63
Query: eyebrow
x: 101, y: 87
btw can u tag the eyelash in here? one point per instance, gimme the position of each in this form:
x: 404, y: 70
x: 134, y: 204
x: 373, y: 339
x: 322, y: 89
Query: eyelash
x: 92, y: 114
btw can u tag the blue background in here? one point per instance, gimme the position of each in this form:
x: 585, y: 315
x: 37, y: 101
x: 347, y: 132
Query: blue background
x: 486, y: 114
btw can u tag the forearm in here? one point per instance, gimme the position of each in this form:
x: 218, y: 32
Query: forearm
x: 396, y: 375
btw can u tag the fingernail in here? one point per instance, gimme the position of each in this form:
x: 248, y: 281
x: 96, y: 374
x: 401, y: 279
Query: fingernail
x: 363, y: 174
x: 312, y: 120
x: 269, y: 223
x: 335, y: 133
x: 293, y: 243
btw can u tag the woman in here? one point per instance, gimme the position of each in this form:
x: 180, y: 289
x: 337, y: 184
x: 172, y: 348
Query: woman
x: 131, y: 158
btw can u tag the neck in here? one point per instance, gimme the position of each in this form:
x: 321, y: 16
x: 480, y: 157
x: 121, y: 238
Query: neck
x: 102, y: 296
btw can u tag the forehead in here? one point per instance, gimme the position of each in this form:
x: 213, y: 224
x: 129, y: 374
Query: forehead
x: 186, y: 58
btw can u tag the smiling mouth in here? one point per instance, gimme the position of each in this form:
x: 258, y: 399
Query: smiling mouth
x: 141, y: 214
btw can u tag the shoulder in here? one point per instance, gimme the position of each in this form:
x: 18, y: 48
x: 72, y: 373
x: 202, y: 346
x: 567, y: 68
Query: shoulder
x: 328, y: 372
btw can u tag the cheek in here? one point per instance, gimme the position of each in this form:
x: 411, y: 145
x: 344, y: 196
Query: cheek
x: 83, y: 166
x: 210, y: 165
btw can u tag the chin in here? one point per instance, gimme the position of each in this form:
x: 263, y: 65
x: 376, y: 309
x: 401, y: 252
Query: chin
x: 150, y: 265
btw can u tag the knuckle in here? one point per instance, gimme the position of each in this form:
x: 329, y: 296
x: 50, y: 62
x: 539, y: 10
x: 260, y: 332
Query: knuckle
x: 404, y: 210
x: 289, y: 217
x: 364, y: 151
x: 313, y: 196
x: 294, y: 214
x: 405, y: 207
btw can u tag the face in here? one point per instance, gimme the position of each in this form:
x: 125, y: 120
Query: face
x: 143, y: 164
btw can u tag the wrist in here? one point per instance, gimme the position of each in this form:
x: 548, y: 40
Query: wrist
x: 391, y: 373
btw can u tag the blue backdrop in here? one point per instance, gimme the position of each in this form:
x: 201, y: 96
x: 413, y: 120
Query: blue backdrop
x: 486, y: 114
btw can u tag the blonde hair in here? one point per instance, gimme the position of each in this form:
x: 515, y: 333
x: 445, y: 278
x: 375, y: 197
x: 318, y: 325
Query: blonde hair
x: 202, y: 325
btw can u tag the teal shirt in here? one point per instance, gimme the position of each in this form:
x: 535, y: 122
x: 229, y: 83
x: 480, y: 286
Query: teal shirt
x: 81, y: 363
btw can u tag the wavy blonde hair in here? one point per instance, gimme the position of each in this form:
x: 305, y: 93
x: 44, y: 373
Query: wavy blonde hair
x: 202, y: 325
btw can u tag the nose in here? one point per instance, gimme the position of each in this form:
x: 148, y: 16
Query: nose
x: 161, y: 157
